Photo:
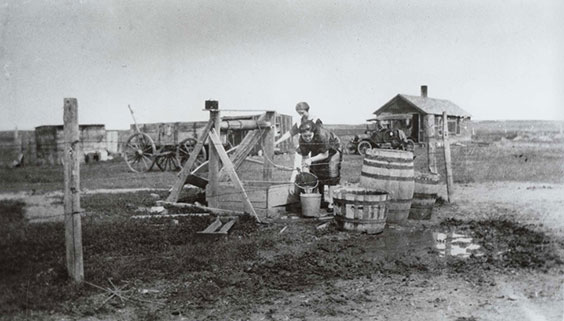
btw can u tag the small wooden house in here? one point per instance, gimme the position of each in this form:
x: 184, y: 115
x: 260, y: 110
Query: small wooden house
x: 50, y: 143
x: 413, y: 114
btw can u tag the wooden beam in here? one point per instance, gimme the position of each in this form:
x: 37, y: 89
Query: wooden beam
x: 213, y: 227
x: 152, y: 216
x: 429, y: 125
x: 73, y: 228
x: 227, y: 226
x: 268, y: 147
x: 185, y: 172
x: 212, y: 210
x: 244, y: 124
x: 450, y: 183
x: 218, y: 227
x: 228, y: 166
x: 213, y: 165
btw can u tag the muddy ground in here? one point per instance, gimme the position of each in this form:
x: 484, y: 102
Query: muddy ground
x: 494, y: 254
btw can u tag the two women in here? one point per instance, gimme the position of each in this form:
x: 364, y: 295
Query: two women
x: 318, y: 151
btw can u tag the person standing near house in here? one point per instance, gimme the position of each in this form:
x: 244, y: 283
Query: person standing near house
x: 320, y: 153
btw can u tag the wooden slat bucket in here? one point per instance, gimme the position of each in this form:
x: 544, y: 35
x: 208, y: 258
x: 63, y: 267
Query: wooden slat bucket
x: 359, y: 209
x: 392, y: 171
x: 424, y: 196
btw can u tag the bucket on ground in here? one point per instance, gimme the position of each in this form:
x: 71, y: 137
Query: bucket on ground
x: 425, y: 194
x: 311, y: 204
x: 392, y: 171
x: 360, y: 209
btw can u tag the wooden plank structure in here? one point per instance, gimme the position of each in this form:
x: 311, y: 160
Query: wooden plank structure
x: 450, y: 182
x: 224, y: 189
x: 268, y: 198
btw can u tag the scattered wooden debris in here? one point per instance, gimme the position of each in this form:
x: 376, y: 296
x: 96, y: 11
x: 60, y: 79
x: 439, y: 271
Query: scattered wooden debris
x: 323, y: 226
x: 219, y: 227
x: 169, y: 215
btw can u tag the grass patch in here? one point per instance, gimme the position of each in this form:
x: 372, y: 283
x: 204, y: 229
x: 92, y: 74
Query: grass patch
x: 11, y: 211
x: 471, y: 163
x: 110, y: 174
x: 500, y: 162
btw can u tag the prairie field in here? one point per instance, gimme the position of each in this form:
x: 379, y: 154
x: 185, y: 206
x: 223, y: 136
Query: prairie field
x: 508, y: 201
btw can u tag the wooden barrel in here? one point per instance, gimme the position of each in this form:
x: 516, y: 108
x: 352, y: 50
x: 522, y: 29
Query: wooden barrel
x: 424, y: 196
x: 392, y: 171
x: 359, y: 209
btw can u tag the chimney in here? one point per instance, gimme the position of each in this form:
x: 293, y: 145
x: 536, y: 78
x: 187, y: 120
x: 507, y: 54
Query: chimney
x: 424, y: 91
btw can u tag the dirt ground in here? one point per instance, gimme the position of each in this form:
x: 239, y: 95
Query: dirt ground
x: 413, y: 272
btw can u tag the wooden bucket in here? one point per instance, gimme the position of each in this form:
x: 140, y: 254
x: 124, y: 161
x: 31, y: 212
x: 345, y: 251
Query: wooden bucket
x: 392, y: 171
x: 359, y: 209
x: 424, y: 196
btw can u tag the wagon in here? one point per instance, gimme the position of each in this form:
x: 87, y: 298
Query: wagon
x: 165, y: 145
x: 168, y: 145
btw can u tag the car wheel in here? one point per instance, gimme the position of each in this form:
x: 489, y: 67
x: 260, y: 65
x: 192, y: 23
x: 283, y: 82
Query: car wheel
x: 363, y: 147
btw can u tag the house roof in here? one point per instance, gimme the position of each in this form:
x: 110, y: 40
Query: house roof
x: 429, y: 105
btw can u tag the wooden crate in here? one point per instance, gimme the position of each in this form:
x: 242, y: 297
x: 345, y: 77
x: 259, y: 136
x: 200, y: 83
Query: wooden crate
x: 269, y: 199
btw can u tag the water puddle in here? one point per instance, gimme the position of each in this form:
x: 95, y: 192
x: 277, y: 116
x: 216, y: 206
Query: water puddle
x: 454, y: 244
x: 445, y: 244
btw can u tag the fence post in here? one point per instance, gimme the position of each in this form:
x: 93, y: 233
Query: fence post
x: 429, y: 123
x: 73, y: 229
x: 214, y: 165
x: 446, y: 146
x: 268, y: 146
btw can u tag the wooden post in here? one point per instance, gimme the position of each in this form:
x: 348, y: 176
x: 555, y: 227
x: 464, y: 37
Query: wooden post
x: 18, y: 141
x: 448, y: 167
x: 214, y: 165
x: 73, y: 229
x: 230, y: 169
x: 429, y: 124
x: 268, y: 147
x: 186, y: 170
x: 246, y: 146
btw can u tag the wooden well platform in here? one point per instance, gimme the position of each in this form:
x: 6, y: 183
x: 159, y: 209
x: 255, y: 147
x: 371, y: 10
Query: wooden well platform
x: 269, y: 198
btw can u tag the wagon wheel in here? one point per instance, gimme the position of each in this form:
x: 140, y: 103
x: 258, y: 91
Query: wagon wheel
x: 167, y: 160
x: 185, y: 148
x: 138, y: 152
x: 363, y: 146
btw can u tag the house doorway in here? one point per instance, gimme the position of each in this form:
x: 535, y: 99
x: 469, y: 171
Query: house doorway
x: 415, y: 128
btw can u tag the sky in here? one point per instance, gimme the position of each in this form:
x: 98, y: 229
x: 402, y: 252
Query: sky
x: 346, y: 58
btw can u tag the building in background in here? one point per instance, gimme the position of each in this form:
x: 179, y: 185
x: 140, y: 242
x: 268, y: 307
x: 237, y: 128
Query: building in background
x: 50, y: 146
x: 413, y: 114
